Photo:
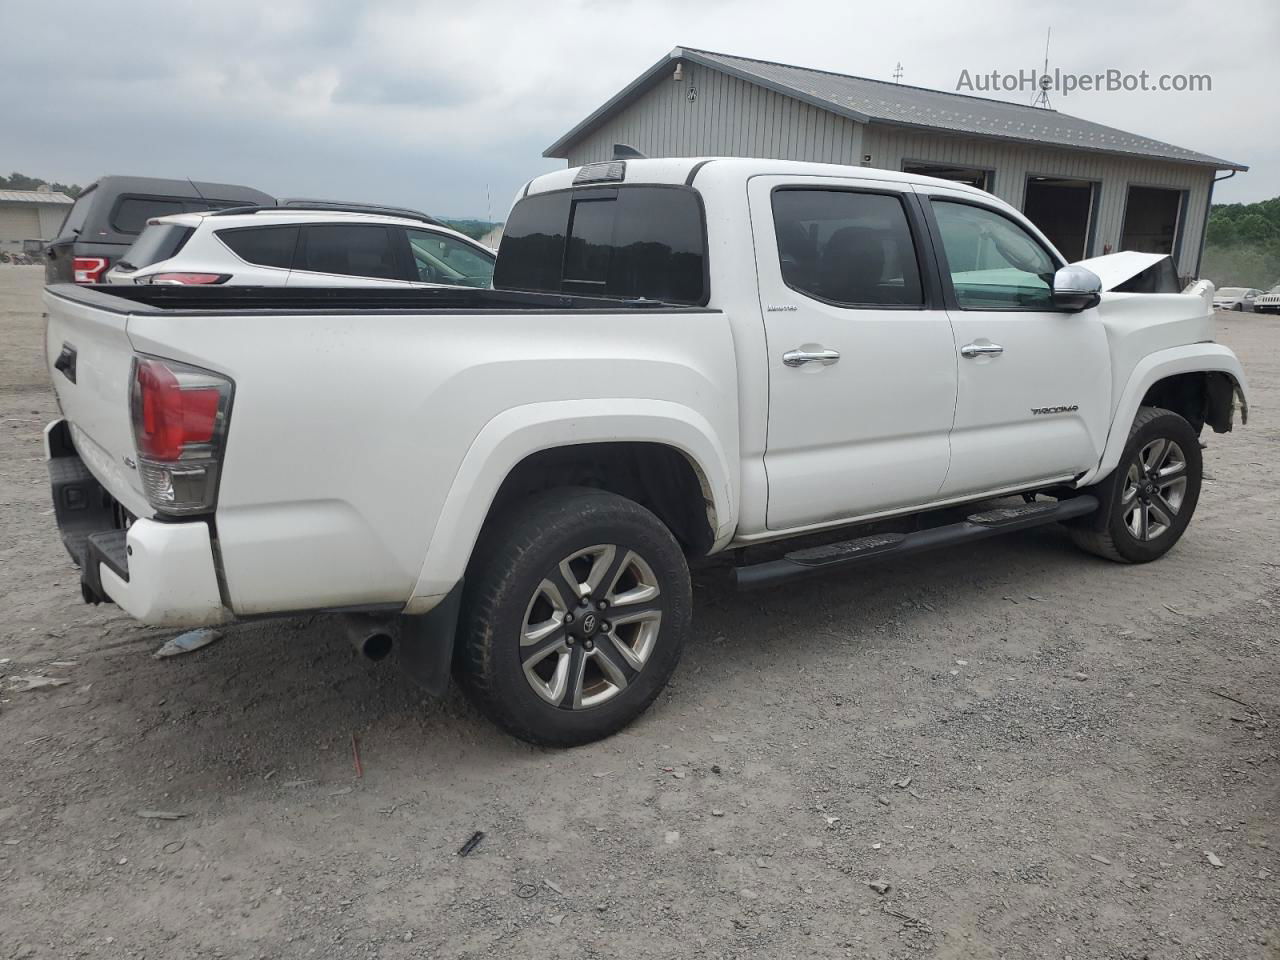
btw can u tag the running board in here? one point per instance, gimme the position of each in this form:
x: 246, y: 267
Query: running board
x: 989, y: 523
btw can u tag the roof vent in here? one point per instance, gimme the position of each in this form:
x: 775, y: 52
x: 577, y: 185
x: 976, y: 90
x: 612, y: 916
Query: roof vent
x: 624, y: 151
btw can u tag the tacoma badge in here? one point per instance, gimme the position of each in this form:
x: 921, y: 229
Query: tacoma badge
x: 1041, y: 411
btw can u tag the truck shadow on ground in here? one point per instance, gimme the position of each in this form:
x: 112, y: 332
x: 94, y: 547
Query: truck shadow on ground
x: 299, y: 681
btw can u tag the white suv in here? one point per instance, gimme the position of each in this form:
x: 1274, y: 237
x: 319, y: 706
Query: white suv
x: 322, y: 246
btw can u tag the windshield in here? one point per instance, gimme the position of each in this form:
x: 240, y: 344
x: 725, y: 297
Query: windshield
x: 158, y: 241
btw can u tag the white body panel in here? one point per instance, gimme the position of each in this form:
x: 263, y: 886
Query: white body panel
x: 364, y: 450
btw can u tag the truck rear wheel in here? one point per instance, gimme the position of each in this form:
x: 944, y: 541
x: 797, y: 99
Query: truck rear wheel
x: 1151, y: 494
x: 576, y: 608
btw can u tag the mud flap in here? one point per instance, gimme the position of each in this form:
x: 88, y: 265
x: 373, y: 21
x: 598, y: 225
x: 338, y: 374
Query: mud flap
x: 427, y: 641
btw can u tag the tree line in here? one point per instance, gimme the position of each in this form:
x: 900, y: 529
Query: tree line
x: 1242, y: 244
x: 20, y: 181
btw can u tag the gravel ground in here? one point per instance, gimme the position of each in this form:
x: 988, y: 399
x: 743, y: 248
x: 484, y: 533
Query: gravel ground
x: 1040, y: 753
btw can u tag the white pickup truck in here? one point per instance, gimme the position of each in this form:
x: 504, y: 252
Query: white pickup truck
x: 681, y: 358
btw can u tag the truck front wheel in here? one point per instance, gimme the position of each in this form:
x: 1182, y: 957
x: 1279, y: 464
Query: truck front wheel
x: 576, y: 608
x: 1150, y: 496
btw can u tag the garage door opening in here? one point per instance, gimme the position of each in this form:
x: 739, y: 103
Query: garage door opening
x: 972, y: 176
x: 1152, y: 220
x: 1064, y: 210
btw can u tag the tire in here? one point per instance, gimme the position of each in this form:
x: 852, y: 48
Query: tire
x: 543, y: 662
x: 1239, y: 308
x: 1145, y: 514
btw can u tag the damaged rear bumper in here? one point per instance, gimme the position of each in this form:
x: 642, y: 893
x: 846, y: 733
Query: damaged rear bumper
x: 158, y: 572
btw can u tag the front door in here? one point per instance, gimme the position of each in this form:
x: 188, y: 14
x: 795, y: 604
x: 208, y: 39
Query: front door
x: 861, y: 360
x: 1034, y: 382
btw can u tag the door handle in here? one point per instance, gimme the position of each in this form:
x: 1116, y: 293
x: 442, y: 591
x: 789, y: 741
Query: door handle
x: 972, y: 350
x: 798, y: 358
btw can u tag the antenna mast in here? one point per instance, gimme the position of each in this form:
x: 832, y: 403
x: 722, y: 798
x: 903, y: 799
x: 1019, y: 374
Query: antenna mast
x: 1042, y: 95
x: 897, y: 73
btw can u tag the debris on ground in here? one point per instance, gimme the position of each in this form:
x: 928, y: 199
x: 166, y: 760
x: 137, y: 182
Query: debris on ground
x: 553, y: 886
x: 903, y: 783
x: 187, y: 642
x: 1213, y: 859
x: 355, y: 755
x: 473, y: 841
x: 1101, y: 859
x: 160, y: 815
x: 879, y: 886
x: 37, y: 683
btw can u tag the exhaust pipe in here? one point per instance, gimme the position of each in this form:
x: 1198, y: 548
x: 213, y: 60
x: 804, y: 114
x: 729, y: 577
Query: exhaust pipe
x: 372, y: 636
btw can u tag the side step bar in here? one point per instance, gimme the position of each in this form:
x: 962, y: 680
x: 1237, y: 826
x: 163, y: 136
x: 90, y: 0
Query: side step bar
x: 815, y: 560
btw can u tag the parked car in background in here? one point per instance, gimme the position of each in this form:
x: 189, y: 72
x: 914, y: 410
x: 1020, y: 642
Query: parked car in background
x: 320, y: 245
x: 1235, y: 298
x: 111, y: 212
x: 1268, y: 302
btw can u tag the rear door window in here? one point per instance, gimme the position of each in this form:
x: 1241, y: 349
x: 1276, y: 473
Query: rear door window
x: 847, y: 248
x: 350, y: 249
x: 627, y: 242
x: 131, y: 214
x: 264, y: 246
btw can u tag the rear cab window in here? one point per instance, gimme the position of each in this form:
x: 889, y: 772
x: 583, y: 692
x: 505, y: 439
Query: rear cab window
x: 131, y: 213
x: 629, y: 242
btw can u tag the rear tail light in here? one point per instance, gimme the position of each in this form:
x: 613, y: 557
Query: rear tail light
x: 180, y: 415
x: 186, y: 279
x: 88, y: 269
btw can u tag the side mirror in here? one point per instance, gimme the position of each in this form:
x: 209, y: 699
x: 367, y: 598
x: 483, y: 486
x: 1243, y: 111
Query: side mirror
x: 1076, y: 288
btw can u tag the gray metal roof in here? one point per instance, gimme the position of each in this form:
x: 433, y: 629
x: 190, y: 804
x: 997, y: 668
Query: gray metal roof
x: 880, y: 101
x: 33, y: 196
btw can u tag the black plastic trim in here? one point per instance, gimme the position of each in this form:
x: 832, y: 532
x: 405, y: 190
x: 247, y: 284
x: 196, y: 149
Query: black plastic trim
x: 786, y: 569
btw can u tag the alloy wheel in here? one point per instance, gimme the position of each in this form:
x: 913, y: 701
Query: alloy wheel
x: 590, y: 627
x: 1154, y: 489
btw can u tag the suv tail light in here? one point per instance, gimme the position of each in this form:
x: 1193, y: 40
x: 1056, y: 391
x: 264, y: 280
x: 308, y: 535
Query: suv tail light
x: 185, y: 279
x: 87, y: 269
x: 180, y: 415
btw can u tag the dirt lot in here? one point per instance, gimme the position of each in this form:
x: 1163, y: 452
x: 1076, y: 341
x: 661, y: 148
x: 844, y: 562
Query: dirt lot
x: 1033, y: 747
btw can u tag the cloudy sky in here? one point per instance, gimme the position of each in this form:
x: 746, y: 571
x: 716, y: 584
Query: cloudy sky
x: 448, y: 106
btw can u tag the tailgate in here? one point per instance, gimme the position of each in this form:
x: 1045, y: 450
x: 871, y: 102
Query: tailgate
x: 91, y: 362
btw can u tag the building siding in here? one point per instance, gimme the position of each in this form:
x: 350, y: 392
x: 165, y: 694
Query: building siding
x: 729, y: 118
x: 1013, y: 163
x: 733, y: 117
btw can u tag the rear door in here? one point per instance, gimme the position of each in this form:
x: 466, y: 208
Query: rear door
x: 1034, y: 382
x: 861, y: 360
x: 350, y: 254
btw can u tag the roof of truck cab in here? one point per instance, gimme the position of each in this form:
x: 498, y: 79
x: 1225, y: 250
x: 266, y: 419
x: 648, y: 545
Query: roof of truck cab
x: 697, y: 171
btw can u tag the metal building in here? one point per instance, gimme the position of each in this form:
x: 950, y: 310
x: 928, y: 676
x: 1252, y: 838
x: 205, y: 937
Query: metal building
x: 1092, y: 189
x: 30, y: 215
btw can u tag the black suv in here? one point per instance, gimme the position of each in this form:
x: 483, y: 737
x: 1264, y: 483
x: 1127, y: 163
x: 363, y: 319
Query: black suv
x: 112, y: 211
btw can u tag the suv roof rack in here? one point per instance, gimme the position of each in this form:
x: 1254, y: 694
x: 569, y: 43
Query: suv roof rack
x: 335, y: 207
